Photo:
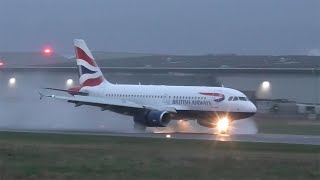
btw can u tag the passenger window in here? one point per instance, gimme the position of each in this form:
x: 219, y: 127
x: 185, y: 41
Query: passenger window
x: 235, y: 99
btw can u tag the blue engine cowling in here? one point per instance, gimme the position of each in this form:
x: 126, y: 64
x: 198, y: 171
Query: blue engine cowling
x: 152, y: 118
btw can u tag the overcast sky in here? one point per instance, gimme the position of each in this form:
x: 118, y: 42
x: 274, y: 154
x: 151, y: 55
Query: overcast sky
x: 163, y: 26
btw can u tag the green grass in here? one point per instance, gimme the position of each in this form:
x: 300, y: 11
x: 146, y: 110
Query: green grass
x: 298, y: 127
x: 49, y: 156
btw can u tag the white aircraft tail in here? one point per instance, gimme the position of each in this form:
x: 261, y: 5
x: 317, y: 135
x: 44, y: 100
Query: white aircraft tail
x: 89, y: 72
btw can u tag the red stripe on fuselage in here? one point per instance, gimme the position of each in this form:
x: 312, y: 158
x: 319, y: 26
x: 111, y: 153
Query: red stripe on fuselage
x: 211, y: 94
x: 93, y: 82
x: 80, y: 54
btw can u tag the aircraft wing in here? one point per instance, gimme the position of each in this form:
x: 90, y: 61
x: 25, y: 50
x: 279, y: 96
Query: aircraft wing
x: 79, y: 100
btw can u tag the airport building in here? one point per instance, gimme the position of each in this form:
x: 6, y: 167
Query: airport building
x: 278, y: 84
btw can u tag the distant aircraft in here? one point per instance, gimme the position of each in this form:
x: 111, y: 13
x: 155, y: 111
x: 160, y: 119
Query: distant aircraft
x: 154, y: 105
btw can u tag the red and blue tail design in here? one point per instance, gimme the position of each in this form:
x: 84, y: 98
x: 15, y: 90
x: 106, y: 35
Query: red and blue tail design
x: 89, y: 72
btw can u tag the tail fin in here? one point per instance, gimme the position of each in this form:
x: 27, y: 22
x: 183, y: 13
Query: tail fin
x: 89, y: 72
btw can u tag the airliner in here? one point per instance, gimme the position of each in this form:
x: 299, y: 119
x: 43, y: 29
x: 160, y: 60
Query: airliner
x: 154, y: 105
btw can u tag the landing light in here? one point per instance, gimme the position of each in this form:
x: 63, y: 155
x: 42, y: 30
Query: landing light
x: 223, y: 125
x: 12, y: 81
x: 168, y: 136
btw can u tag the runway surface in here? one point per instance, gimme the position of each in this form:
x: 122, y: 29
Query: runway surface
x: 263, y: 138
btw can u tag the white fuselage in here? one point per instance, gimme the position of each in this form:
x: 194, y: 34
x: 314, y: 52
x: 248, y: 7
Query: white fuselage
x: 182, y: 98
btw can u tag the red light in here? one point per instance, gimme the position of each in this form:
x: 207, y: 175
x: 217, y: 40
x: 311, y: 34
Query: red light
x: 1, y: 64
x: 47, y: 51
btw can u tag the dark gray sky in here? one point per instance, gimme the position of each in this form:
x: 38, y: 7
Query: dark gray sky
x: 163, y: 26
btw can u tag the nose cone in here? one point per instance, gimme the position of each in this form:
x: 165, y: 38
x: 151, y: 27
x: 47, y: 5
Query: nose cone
x: 252, y: 108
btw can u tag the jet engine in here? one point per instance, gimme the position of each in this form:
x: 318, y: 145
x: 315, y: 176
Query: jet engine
x: 152, y: 118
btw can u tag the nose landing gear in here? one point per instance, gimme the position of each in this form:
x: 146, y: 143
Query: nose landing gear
x: 223, y: 126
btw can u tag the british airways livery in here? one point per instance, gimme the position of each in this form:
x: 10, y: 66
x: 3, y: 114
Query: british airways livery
x: 152, y: 105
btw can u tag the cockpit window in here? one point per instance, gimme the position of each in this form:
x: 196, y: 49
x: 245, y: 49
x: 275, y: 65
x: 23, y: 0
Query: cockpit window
x: 237, y: 98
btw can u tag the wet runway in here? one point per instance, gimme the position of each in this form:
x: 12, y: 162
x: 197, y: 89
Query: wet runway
x: 263, y: 138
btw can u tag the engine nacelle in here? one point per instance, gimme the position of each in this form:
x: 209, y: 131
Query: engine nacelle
x: 153, y: 118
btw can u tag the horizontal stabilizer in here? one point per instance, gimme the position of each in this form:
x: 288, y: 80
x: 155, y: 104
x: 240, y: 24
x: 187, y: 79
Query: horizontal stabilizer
x: 69, y: 91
